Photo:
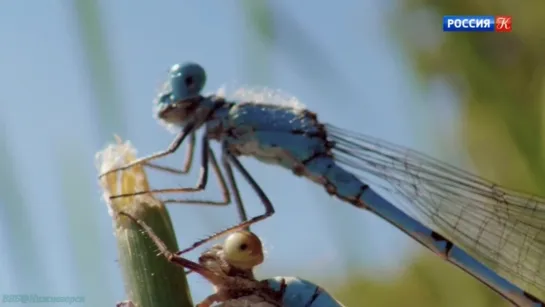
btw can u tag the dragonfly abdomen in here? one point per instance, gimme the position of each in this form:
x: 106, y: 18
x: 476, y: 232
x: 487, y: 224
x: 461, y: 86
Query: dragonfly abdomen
x: 337, y: 181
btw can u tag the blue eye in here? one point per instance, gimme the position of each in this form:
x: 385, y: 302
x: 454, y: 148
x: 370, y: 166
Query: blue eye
x: 187, y: 80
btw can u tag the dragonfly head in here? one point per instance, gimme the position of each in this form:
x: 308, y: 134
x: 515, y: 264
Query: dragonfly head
x: 243, y: 250
x: 180, y: 99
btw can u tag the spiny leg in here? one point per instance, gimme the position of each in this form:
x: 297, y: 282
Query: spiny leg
x: 178, y: 260
x: 207, y: 154
x: 171, y: 149
x: 269, y: 208
x: 226, y: 196
x: 236, y: 193
x: 188, y: 160
x: 209, y: 300
x: 223, y: 186
x: 172, y: 257
x: 201, y: 182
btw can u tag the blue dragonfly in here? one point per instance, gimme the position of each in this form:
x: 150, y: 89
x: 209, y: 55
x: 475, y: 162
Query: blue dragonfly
x: 491, y: 232
x: 229, y: 267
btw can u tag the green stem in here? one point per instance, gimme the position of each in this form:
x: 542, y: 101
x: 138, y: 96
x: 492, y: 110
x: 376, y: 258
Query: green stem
x: 150, y: 280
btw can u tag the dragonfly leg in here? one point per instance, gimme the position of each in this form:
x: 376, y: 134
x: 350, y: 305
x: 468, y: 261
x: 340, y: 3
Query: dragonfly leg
x: 174, y: 145
x: 201, y: 182
x: 173, y: 257
x: 209, y: 300
x: 236, y: 192
x: 223, y: 187
x: 207, y: 155
x: 188, y: 160
x: 269, y: 208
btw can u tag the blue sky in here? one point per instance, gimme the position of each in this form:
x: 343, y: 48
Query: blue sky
x: 46, y: 105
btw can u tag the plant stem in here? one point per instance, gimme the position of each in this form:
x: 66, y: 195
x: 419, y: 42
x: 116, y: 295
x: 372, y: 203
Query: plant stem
x: 150, y: 280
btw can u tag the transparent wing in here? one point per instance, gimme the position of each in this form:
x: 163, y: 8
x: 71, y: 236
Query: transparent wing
x: 500, y: 227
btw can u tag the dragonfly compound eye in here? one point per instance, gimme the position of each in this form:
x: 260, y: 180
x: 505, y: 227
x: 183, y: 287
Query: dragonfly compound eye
x: 186, y: 80
x: 243, y: 250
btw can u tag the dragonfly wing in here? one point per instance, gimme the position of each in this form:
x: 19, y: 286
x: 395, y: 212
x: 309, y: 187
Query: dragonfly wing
x: 500, y: 227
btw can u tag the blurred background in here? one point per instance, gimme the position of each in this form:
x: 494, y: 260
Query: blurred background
x: 73, y: 73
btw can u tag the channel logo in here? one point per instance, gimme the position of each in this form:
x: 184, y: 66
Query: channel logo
x: 453, y: 23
